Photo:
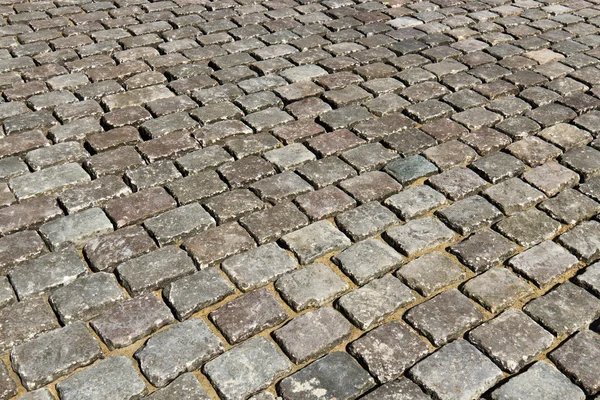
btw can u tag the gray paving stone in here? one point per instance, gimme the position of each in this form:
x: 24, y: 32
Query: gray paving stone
x: 326, y: 171
x: 366, y: 220
x: 311, y: 286
x: 76, y: 229
x: 444, y: 317
x: 185, y: 387
x: 415, y: 201
x: 590, y: 279
x: 181, y: 348
x: 458, y: 183
x: 456, y: 371
x: 336, y: 375
x: 86, y: 297
x: 375, y: 301
x: 155, y: 270
x: 367, y: 260
x: 511, y: 352
x: 313, y: 334
x: 584, y: 160
x: 543, y: 263
x: 551, y: 178
x: 402, y: 389
x: 47, y: 272
x: 248, y: 315
x: 513, y: 195
x: 314, y: 241
x: 570, y: 207
x: 130, y: 320
x: 431, y: 272
x: 54, y: 354
x: 40, y: 394
x: 529, y: 228
x: 48, y: 180
x: 575, y: 358
x: 257, y: 267
x: 197, y: 291
x: 272, y: 223
x: 114, y: 378
x: 388, y: 350
x: 541, y: 381
x: 497, y: 288
x: 498, y: 166
x: 407, y: 170
x: 565, y: 309
x: 24, y: 320
x: 107, y: 251
x: 246, y: 369
x: 419, y: 235
x: 468, y: 215
x: 206, y: 247
x: 7, y: 294
x: 174, y: 225
x: 583, y: 240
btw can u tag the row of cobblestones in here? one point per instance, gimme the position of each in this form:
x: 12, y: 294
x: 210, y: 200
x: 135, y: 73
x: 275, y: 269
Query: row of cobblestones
x: 299, y: 199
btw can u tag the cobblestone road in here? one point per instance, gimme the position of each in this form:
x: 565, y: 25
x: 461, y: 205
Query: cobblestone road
x: 333, y: 199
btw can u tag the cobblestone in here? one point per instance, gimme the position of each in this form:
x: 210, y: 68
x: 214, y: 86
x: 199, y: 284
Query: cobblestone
x: 213, y: 152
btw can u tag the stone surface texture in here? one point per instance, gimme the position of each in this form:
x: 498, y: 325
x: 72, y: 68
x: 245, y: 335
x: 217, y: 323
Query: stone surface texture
x: 299, y: 199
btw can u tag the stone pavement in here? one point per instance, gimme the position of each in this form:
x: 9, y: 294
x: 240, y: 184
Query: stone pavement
x: 310, y: 199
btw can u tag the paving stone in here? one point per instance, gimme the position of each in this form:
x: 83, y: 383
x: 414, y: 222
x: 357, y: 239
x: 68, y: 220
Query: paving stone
x: 513, y: 195
x: 54, y: 354
x: 415, y: 201
x: 497, y: 288
x: 281, y: 187
x: 185, y: 387
x: 314, y: 241
x: 397, y: 390
x: 529, y: 228
x: 20, y: 247
x: 28, y: 213
x: 407, y: 170
x: 206, y: 158
x: 24, y: 320
x: 313, y: 334
x: 511, y: 352
x: 583, y: 160
x: 289, y: 157
x: 445, y: 317
x: 114, y: 377
x: 570, y: 207
x: 247, y: 369
x: 430, y: 272
x: 573, y: 359
x: 327, y: 171
x: 174, y: 225
x: 590, y: 278
x: 541, y: 381
x: 499, y: 166
x: 551, y: 178
x: 40, y: 394
x: 130, y: 320
x: 419, y: 235
x: 533, y: 151
x: 325, y: 203
x: 458, y: 183
x: 375, y: 301
x: 388, y: 350
x: 565, y: 309
x: 245, y: 171
x: 139, y: 206
x: 197, y: 291
x: 257, y: 267
x: 272, y: 223
x: 48, y: 180
x: 93, y: 194
x: 470, y: 214
x: 456, y: 371
x: 368, y: 157
x: 483, y: 250
x: 311, y: 286
x: 232, y: 205
x: 566, y: 136
x: 248, y: 315
x: 366, y: 220
x: 175, y: 350
x: 47, y: 272
x: 86, y: 297
x: 7, y: 295
x: 155, y: 270
x: 197, y: 187
x: 336, y: 375
x: 583, y: 240
x: 76, y: 229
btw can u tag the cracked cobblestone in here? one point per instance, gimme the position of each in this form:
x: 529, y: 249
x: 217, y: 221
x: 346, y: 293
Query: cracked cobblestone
x: 299, y: 199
